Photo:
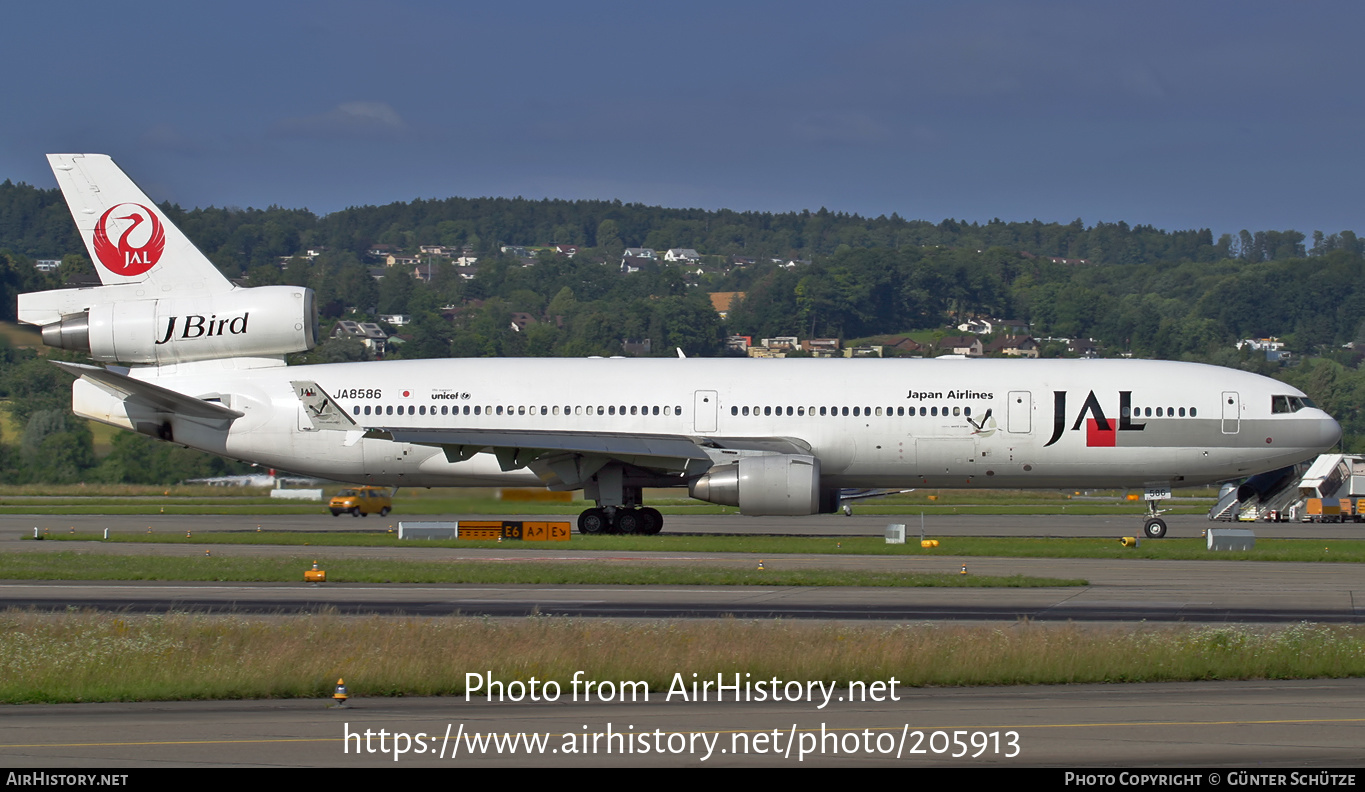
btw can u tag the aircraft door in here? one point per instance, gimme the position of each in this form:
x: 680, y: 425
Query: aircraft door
x: 1020, y: 412
x: 704, y: 411
x: 1232, y: 412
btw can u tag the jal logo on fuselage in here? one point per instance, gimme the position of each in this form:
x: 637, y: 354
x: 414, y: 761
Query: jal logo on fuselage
x: 141, y: 239
x: 1099, y: 430
x: 198, y: 326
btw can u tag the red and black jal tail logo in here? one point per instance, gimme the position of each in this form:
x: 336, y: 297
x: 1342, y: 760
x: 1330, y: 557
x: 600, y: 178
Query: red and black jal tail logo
x: 141, y: 239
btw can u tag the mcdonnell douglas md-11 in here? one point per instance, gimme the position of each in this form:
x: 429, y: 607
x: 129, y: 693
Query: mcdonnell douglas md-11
x: 192, y: 359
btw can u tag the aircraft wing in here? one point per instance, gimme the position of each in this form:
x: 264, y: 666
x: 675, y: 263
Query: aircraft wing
x: 562, y: 459
x: 145, y: 393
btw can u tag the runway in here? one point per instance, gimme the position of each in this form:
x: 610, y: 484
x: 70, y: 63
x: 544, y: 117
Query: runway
x: 939, y: 525
x: 1252, y: 726
x: 1118, y: 590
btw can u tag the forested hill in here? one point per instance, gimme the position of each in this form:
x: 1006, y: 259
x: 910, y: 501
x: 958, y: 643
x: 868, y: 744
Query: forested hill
x: 35, y: 223
x: 1135, y: 290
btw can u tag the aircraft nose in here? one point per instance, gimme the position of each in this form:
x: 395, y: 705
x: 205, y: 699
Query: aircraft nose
x: 1330, y: 430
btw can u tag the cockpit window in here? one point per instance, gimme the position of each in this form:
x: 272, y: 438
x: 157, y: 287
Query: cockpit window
x: 1289, y: 404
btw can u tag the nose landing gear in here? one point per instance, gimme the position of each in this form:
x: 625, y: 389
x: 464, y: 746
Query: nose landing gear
x: 1155, y: 527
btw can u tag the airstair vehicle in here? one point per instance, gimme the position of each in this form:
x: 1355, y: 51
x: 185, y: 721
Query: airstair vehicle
x: 1323, y: 490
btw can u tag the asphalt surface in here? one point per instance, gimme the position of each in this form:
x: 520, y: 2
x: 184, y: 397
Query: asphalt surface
x: 1238, y: 726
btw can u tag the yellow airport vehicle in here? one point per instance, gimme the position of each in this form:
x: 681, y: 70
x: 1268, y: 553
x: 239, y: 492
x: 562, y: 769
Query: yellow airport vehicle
x: 362, y: 501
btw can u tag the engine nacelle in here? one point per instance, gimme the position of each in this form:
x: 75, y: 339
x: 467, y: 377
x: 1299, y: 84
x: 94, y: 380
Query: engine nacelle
x: 776, y: 484
x: 258, y: 322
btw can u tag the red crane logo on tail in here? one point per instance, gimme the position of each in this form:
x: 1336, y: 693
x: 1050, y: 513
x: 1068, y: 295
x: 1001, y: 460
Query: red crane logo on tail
x: 126, y: 257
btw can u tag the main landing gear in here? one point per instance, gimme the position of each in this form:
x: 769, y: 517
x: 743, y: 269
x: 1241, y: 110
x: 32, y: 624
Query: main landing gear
x: 620, y: 520
x: 620, y: 508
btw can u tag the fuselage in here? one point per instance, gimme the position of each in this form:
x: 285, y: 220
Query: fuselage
x: 870, y: 423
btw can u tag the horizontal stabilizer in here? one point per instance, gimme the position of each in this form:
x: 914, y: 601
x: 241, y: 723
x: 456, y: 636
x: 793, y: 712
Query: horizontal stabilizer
x: 154, y: 396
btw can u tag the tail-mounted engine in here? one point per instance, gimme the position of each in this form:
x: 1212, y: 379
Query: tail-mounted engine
x: 114, y: 324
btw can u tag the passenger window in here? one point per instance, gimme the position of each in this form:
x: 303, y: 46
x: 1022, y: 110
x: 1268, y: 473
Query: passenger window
x: 933, y: 411
x: 957, y: 411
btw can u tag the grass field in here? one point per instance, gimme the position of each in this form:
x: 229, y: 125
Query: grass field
x: 112, y: 657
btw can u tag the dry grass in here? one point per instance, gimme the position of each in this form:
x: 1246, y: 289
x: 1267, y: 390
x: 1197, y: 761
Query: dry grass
x: 100, y: 657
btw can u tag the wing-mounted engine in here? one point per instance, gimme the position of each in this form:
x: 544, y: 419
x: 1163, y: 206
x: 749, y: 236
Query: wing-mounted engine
x: 115, y: 324
x: 776, y: 484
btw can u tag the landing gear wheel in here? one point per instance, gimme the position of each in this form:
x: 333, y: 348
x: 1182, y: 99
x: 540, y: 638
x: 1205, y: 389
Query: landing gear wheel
x: 628, y: 521
x: 1155, y: 528
x: 593, y: 521
x: 651, y: 521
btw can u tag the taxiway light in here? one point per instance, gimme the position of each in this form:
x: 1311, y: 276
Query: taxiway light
x: 760, y: 565
x: 339, y: 695
x: 964, y: 570
x: 315, y: 575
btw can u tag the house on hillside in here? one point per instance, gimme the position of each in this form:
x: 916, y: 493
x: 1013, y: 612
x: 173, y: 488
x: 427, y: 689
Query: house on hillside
x: 370, y: 334
x: 1013, y: 346
x: 960, y: 345
x: 682, y: 254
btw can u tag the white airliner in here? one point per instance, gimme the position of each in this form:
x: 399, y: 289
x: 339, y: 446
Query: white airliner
x: 202, y: 364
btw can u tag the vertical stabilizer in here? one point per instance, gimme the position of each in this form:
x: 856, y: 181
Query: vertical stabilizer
x: 129, y: 239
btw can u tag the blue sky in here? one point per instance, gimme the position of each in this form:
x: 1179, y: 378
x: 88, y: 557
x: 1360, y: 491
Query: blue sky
x: 1226, y: 115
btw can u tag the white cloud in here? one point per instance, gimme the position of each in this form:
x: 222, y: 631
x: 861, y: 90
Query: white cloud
x: 346, y: 120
